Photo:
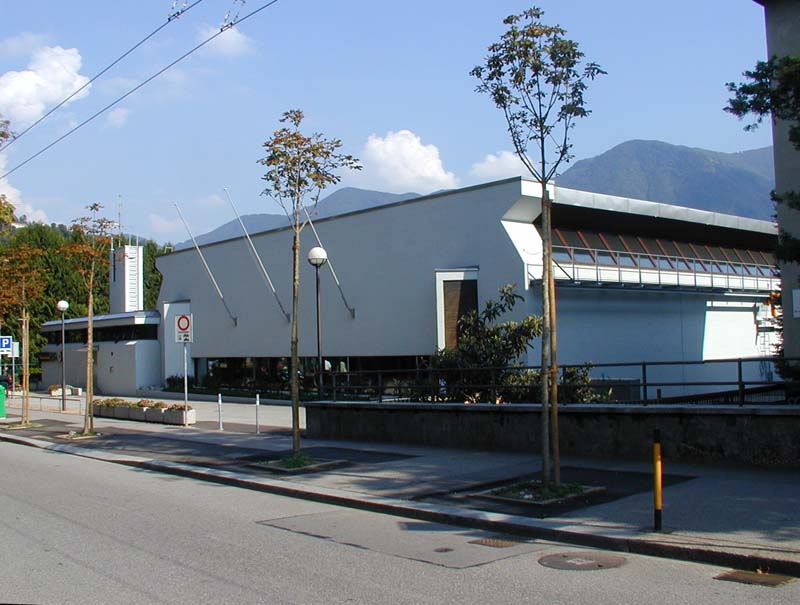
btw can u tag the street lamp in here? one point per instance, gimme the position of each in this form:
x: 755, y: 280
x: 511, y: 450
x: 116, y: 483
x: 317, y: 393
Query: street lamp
x: 318, y: 257
x: 63, y: 305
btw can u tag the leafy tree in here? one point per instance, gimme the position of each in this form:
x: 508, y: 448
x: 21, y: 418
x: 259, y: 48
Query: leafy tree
x: 299, y: 168
x: 89, y: 252
x: 773, y: 89
x: 6, y: 207
x: 21, y: 282
x: 7, y: 215
x: 152, y: 277
x: 485, y: 347
x: 537, y: 77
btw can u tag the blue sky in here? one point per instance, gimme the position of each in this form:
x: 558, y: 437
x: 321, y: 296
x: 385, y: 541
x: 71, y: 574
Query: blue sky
x: 389, y: 79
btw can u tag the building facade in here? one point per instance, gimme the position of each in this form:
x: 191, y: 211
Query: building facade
x: 636, y: 281
x: 783, y: 39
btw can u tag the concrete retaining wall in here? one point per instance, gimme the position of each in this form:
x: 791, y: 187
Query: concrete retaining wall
x: 764, y: 436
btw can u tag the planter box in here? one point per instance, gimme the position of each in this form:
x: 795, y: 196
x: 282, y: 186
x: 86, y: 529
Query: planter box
x: 71, y: 391
x: 154, y: 415
x: 176, y: 417
x: 137, y: 413
x: 121, y: 412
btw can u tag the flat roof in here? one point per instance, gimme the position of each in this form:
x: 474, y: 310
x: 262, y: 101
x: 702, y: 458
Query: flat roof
x: 130, y: 318
x: 571, y: 198
x: 615, y: 203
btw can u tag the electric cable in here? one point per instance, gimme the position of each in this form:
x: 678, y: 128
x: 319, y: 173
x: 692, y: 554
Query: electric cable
x: 135, y: 88
x: 169, y: 20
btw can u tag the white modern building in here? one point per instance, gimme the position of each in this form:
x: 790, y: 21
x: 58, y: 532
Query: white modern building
x: 636, y: 281
x: 127, y: 355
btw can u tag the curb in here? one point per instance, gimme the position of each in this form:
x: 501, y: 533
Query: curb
x: 485, y: 520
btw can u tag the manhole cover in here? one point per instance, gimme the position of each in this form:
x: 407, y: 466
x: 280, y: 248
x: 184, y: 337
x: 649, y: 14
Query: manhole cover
x: 496, y: 542
x: 582, y: 560
x: 754, y: 577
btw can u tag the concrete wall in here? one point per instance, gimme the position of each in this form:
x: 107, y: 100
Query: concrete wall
x: 121, y: 368
x: 597, y: 325
x: 386, y: 262
x: 765, y: 436
x: 171, y: 351
x: 74, y: 368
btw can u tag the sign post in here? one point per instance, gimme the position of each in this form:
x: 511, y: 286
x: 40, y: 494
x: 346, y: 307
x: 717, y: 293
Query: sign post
x: 183, y: 333
x: 6, y: 348
x: 14, y: 357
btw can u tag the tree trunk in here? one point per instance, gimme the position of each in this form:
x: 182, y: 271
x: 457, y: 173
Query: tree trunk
x: 294, y: 366
x: 545, y: 365
x: 26, y: 375
x: 554, y: 434
x: 88, y: 417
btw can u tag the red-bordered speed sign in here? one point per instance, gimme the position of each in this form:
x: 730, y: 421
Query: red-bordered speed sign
x: 183, y: 328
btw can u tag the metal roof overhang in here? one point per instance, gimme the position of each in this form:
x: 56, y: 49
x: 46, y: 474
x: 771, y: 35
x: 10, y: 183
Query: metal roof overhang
x: 131, y: 318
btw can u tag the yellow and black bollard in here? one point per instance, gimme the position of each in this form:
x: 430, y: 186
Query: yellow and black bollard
x: 657, y: 503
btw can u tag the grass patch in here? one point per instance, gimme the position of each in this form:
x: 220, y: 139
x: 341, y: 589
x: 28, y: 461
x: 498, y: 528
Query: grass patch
x: 20, y: 426
x: 296, y: 461
x: 535, y: 491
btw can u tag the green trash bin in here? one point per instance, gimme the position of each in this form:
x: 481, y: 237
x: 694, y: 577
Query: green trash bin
x: 2, y: 402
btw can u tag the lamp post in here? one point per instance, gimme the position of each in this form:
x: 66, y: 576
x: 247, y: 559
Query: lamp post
x: 63, y: 305
x: 318, y: 257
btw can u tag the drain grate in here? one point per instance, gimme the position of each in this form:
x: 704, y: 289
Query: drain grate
x: 443, y: 549
x: 582, y: 561
x: 754, y: 577
x: 496, y: 542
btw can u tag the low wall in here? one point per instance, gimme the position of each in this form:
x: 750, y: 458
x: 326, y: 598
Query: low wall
x: 763, y: 436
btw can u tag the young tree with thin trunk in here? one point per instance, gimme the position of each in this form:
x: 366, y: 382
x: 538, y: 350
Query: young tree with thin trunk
x: 21, y: 285
x: 537, y: 77
x: 89, y: 251
x: 299, y: 168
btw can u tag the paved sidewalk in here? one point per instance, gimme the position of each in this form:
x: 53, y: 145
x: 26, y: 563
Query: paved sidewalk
x: 744, y: 518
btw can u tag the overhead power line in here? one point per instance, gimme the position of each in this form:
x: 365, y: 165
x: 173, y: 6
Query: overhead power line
x: 169, y: 20
x: 137, y: 87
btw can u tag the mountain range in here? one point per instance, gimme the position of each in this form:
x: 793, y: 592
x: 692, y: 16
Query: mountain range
x: 729, y: 183
x: 346, y: 199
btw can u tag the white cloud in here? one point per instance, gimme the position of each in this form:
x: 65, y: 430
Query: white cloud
x: 118, y: 116
x: 51, y: 76
x: 15, y: 197
x: 400, y: 162
x: 231, y: 43
x: 166, y: 227
x: 502, y: 165
x: 209, y: 201
x: 23, y: 44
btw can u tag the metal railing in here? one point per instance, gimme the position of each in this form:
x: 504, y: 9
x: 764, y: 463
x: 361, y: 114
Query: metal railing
x: 606, y: 266
x: 724, y: 381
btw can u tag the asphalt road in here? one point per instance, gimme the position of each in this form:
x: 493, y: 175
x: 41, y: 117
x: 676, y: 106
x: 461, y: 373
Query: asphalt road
x: 74, y: 530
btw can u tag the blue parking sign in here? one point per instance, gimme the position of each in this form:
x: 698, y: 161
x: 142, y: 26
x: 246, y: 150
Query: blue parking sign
x: 5, y: 345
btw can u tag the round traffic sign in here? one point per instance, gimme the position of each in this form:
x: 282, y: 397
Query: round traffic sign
x: 183, y: 323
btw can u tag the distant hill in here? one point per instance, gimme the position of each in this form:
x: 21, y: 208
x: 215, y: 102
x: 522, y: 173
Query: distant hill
x: 731, y: 183
x: 342, y: 201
